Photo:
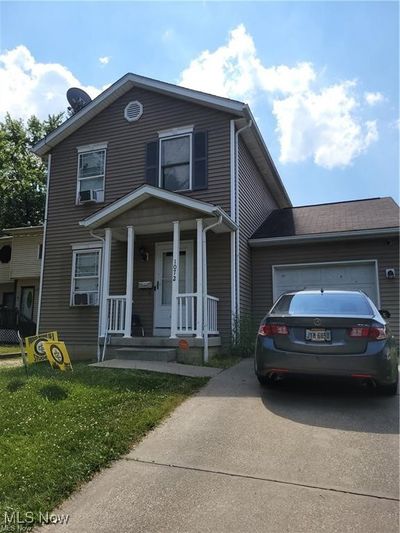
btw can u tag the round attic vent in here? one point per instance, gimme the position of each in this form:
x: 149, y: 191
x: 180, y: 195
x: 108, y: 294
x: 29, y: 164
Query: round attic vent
x: 133, y: 111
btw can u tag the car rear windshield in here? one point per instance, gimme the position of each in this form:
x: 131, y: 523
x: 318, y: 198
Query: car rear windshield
x: 322, y: 303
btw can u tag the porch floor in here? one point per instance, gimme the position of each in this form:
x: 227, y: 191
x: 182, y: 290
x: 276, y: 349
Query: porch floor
x: 161, y: 366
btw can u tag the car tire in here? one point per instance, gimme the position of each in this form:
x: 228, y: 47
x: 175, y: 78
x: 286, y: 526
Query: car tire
x: 388, y: 390
x: 266, y: 381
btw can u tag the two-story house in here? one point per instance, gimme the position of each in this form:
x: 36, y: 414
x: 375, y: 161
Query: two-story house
x: 20, y: 264
x: 154, y: 191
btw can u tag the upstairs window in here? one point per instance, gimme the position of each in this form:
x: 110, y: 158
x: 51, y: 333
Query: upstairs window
x: 85, y: 277
x: 178, y: 160
x: 175, y: 163
x: 91, y: 173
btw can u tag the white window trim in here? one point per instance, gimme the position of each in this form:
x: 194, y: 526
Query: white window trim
x: 169, y: 138
x: 87, y: 149
x: 173, y: 132
x: 75, y: 252
x: 92, y: 147
x: 86, y: 245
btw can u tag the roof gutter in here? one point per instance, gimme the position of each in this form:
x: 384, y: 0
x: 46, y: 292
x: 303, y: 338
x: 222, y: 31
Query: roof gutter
x: 324, y: 237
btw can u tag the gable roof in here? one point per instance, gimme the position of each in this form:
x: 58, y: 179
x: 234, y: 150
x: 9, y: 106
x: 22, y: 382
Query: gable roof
x: 240, y: 110
x: 369, y: 215
x: 145, y: 192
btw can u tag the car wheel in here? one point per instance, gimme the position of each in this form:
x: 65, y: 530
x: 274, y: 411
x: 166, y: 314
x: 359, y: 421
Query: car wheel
x: 388, y: 390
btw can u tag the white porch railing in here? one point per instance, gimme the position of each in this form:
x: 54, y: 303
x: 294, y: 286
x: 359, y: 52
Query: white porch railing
x: 116, y: 306
x: 186, y: 313
x: 212, y: 314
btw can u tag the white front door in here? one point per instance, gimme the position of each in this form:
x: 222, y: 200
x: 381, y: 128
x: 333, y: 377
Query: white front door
x: 163, y: 282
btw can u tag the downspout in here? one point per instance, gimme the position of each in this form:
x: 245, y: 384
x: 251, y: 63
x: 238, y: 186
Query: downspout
x: 237, y: 218
x: 205, y: 287
x: 100, y: 297
x: 43, y: 245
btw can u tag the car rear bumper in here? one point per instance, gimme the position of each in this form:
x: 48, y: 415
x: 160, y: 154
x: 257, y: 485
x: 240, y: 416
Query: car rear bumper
x: 378, y: 363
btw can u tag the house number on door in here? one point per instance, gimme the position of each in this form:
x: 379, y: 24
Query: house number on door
x: 174, y: 269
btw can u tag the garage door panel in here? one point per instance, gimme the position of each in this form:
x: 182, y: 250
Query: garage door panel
x: 336, y: 276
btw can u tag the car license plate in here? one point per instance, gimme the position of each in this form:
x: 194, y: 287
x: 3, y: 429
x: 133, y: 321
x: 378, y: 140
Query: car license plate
x: 318, y: 335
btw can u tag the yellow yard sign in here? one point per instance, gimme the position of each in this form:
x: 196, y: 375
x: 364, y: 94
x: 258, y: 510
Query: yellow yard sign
x: 57, y: 354
x: 35, y: 352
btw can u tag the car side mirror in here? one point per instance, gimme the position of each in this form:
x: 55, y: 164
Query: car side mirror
x: 385, y: 313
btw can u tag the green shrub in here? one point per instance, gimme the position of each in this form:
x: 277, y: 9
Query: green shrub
x: 244, y: 336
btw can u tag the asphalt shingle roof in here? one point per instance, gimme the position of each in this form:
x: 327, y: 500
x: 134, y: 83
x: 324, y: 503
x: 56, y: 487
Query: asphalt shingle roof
x: 372, y: 213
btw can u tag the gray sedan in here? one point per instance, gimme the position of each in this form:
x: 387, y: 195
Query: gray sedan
x: 327, y: 333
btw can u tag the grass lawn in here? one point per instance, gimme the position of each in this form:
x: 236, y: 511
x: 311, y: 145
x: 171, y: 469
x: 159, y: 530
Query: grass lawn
x: 57, y: 429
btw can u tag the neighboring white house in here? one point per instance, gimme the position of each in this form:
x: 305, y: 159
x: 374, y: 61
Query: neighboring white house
x: 20, y: 264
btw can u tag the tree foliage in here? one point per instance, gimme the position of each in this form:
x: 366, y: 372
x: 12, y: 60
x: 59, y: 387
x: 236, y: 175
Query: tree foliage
x: 23, y: 174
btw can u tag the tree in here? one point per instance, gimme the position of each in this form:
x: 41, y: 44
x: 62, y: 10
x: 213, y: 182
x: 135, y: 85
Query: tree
x: 23, y: 174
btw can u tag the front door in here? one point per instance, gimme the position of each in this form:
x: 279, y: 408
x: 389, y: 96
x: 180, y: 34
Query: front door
x: 163, y: 282
x: 26, y: 306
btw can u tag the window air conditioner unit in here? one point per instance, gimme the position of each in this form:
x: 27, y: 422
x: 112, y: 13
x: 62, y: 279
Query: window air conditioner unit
x: 85, y: 298
x: 89, y: 197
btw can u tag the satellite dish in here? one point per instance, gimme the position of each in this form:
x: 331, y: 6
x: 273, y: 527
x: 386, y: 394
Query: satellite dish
x: 77, y: 99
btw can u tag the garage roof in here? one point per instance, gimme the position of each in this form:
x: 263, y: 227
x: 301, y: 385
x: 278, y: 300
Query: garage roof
x: 357, y: 215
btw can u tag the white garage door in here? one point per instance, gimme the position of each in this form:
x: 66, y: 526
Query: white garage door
x: 350, y: 275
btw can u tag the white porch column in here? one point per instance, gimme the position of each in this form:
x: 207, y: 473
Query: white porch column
x: 105, y: 279
x: 175, y: 280
x: 199, y: 311
x: 130, y: 251
x: 204, y: 296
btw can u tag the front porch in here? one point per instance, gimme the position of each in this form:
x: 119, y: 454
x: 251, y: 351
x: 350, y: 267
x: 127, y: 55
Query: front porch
x: 155, y: 299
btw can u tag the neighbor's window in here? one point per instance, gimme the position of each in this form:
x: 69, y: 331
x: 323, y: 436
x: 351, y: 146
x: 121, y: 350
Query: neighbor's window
x: 91, y: 171
x: 175, y: 163
x: 86, y: 277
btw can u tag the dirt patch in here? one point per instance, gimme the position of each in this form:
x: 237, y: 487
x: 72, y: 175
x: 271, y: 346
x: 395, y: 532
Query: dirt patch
x: 10, y: 362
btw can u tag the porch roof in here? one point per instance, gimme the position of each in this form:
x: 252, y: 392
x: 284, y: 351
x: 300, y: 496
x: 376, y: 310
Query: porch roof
x: 145, y: 192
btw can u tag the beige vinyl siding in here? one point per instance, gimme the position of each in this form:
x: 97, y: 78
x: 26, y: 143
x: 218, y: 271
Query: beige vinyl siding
x: 219, y: 280
x: 153, y: 211
x: 255, y: 204
x: 126, y: 149
x: 125, y: 171
x: 24, y: 259
x: 4, y: 272
x: 384, y: 250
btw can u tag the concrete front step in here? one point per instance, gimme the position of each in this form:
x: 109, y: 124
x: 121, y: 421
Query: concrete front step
x: 146, y: 354
x: 159, y: 342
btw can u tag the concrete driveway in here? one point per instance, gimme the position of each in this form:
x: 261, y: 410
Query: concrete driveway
x: 235, y: 458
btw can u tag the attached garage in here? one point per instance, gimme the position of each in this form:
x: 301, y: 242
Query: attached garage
x: 349, y: 245
x: 351, y: 275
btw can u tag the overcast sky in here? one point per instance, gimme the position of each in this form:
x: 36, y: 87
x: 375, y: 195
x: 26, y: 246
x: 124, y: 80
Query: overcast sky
x: 322, y: 78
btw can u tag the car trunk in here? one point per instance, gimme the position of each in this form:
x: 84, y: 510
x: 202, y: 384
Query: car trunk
x: 307, y: 336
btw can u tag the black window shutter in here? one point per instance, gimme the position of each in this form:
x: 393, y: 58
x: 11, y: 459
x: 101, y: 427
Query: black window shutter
x: 200, y: 162
x: 152, y: 163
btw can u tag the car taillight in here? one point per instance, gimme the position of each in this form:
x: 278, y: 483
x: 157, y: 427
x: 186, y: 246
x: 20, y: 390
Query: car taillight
x: 269, y: 330
x: 377, y: 334
x: 373, y: 333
